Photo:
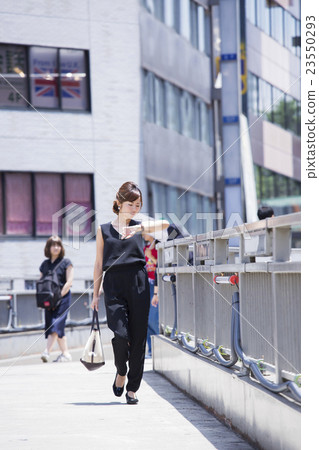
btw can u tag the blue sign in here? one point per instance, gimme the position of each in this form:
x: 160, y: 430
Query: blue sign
x: 230, y: 119
x: 232, y: 181
x: 229, y: 57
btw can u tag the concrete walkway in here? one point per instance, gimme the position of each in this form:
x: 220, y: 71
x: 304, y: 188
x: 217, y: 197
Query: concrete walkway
x: 64, y: 406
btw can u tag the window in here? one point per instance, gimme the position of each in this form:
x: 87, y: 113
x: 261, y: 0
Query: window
x: 155, y: 7
x: 194, y: 24
x: 170, y: 13
x: 176, y: 109
x: 270, y: 184
x: 29, y: 202
x: 201, y: 27
x: 53, y: 78
x: 278, y: 108
x: 159, y: 199
x: 265, y: 100
x: 44, y: 75
x: 263, y: 16
x: 149, y: 107
x: 73, y: 80
x: 78, y: 189
x: 48, y: 200
x: 274, y: 20
x: 159, y: 102
x: 252, y: 94
x: 172, y: 109
x: 192, y: 207
x: 185, y: 19
x: 206, y: 123
x: 298, y: 117
x: 187, y: 114
x: 13, y: 67
x: 291, y: 113
x: 18, y: 204
x: 277, y: 22
x: 164, y: 201
x: 267, y: 183
x: 298, y: 34
x: 251, y: 11
x: 290, y: 30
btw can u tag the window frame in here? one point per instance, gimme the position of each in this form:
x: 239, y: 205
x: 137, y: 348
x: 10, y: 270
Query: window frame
x: 34, y: 234
x: 29, y: 106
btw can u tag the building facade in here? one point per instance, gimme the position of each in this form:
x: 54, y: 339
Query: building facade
x: 95, y: 93
x: 273, y: 92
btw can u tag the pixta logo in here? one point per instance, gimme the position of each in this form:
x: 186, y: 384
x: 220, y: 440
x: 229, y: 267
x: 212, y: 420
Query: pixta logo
x: 75, y: 224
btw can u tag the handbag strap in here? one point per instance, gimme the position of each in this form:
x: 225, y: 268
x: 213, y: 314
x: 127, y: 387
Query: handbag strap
x: 95, y: 321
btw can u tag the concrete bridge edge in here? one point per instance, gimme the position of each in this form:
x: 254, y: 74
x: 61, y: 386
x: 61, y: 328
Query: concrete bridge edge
x: 269, y: 421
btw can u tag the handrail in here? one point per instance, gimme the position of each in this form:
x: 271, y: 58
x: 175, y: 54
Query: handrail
x: 266, y: 280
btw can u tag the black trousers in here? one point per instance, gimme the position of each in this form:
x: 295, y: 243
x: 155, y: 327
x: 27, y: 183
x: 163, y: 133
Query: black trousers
x: 127, y: 303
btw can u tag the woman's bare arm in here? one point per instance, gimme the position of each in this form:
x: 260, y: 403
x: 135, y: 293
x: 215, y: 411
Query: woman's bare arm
x: 98, y: 269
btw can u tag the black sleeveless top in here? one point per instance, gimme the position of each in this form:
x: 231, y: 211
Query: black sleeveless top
x: 121, y: 253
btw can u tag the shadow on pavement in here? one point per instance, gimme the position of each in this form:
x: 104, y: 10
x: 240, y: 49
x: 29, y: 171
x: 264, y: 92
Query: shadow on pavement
x: 216, y: 432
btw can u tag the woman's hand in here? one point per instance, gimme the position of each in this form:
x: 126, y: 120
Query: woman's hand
x: 128, y: 232
x: 95, y: 303
x: 154, y: 300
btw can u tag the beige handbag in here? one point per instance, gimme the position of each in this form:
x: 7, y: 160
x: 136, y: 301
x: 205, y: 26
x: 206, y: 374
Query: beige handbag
x: 93, y: 355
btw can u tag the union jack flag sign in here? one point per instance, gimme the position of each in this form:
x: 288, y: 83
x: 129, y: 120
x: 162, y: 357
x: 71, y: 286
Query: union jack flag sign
x: 70, y: 86
x: 46, y: 85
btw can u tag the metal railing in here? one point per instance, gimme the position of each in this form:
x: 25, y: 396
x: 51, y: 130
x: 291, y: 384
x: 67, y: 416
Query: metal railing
x: 234, y: 296
x: 19, y: 311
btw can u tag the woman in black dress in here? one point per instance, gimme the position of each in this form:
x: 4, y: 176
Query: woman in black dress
x: 119, y: 252
x: 55, y: 319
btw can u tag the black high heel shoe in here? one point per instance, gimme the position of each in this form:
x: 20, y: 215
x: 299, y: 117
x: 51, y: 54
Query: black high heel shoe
x: 118, y: 391
x: 131, y: 400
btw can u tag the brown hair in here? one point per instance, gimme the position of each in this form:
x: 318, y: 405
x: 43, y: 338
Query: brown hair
x: 50, y: 241
x: 128, y: 192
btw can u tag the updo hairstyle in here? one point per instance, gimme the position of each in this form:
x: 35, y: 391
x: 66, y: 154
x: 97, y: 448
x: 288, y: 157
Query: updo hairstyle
x: 128, y: 192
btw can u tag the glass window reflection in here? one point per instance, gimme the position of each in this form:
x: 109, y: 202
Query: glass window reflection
x: 251, y: 11
x: 263, y: 16
x: 159, y: 102
x: 169, y: 13
x: 187, y: 114
x: 290, y: 30
x: 265, y: 100
x: 172, y: 109
x: 278, y: 108
x: 252, y: 94
x: 277, y: 24
x: 185, y: 19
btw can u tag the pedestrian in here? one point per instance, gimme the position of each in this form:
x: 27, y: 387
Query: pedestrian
x: 55, y: 319
x: 119, y: 253
x: 151, y: 263
x: 264, y: 212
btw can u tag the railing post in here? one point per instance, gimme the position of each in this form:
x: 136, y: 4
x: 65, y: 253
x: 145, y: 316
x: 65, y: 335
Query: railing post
x: 221, y: 251
x: 282, y: 244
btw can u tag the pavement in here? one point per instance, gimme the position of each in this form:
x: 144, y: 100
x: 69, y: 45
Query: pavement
x: 64, y: 406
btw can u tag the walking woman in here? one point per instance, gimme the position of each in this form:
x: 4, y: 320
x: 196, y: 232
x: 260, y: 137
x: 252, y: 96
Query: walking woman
x: 55, y: 319
x: 119, y: 252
